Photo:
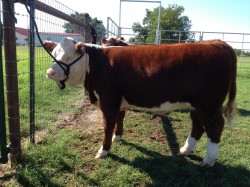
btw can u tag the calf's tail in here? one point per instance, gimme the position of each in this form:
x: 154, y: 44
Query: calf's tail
x: 230, y: 111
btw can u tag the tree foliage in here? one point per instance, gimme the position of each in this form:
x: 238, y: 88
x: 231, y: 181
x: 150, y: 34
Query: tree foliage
x: 172, y: 18
x: 240, y: 52
x: 73, y: 28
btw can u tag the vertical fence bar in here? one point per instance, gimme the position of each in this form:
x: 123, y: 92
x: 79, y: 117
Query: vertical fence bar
x: 3, y: 141
x: 201, y: 36
x: 158, y: 25
x: 32, y: 72
x: 108, y: 19
x: 11, y: 80
x: 242, y: 44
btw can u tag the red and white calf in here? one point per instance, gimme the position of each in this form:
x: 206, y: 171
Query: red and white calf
x: 158, y: 78
x: 112, y: 41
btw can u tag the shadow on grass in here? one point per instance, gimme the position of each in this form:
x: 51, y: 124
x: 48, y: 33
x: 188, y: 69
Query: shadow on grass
x: 179, y: 171
x: 170, y: 135
x: 244, y: 113
x: 34, y: 174
x: 41, y: 178
x: 89, y: 180
x: 182, y: 171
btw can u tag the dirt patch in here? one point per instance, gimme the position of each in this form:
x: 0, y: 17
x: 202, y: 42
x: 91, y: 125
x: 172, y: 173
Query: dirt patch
x: 87, y: 119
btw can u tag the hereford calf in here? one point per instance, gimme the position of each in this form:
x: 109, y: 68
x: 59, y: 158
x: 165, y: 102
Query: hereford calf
x: 158, y: 78
x: 112, y: 41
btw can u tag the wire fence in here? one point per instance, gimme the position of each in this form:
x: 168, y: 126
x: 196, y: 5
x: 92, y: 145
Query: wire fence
x: 41, y: 102
x: 49, y: 101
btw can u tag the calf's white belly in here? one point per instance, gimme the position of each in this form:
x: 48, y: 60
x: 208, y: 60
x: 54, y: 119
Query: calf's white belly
x: 164, y: 107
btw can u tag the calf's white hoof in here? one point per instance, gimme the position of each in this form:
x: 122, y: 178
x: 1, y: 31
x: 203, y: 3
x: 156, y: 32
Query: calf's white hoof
x: 208, y: 162
x: 184, y: 151
x: 212, y: 154
x: 101, y: 153
x: 205, y: 165
x: 116, y: 138
x: 189, y: 146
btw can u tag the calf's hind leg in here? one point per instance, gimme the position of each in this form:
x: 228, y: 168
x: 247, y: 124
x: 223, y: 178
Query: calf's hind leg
x: 119, y: 126
x: 214, y: 126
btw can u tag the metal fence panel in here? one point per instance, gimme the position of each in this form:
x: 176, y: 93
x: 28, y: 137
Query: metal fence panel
x: 236, y: 40
x: 40, y: 101
x: 112, y: 28
x: 50, y: 102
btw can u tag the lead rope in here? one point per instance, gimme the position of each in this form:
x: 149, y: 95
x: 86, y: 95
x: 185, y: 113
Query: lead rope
x: 66, y: 71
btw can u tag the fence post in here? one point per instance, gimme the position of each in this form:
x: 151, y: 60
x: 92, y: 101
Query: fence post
x: 32, y: 71
x: 11, y: 80
x: 201, y: 36
x: 3, y: 141
x: 119, y: 31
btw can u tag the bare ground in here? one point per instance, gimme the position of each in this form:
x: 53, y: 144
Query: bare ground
x: 87, y: 119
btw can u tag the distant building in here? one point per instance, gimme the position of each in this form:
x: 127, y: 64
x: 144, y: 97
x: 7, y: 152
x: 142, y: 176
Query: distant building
x: 22, y: 36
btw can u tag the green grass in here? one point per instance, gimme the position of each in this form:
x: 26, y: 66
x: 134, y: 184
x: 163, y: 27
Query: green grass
x: 50, y: 101
x: 146, y: 156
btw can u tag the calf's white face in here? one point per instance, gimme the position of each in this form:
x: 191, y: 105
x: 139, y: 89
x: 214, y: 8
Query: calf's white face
x: 67, y: 51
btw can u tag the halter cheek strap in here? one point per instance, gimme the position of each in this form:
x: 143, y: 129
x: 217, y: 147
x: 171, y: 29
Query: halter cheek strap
x: 61, y: 84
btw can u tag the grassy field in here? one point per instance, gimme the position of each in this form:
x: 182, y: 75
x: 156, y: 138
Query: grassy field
x: 50, y: 101
x: 146, y: 156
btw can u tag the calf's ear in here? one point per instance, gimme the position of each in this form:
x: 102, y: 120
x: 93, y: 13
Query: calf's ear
x: 49, y: 45
x: 80, y: 47
x: 104, y: 41
x: 112, y: 40
x: 121, y: 38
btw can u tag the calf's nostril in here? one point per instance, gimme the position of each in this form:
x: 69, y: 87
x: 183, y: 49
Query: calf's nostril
x: 50, y: 72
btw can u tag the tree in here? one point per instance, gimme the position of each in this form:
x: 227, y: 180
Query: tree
x: 73, y: 28
x: 240, y: 52
x: 171, y: 19
x: 97, y: 24
x: 143, y: 32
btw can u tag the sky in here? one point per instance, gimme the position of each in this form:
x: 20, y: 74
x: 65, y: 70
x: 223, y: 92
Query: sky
x: 206, y: 15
